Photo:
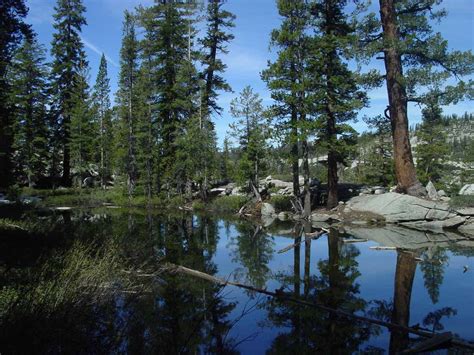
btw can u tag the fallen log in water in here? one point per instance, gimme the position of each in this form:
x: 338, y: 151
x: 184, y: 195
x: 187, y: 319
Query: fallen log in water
x: 178, y: 269
x: 308, y: 236
x: 383, y: 248
x: 355, y: 240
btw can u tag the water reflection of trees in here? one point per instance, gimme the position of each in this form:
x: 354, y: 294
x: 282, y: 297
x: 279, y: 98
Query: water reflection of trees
x: 173, y: 314
x: 397, y: 311
x: 252, y: 248
x: 336, y: 287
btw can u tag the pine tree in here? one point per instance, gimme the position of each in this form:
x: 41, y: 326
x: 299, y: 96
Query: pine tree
x: 285, y: 77
x: 166, y: 48
x: 12, y: 30
x: 82, y: 129
x: 378, y: 161
x: 251, y: 131
x: 103, y: 113
x: 334, y: 89
x: 127, y: 101
x: 432, y: 149
x: 226, y: 162
x: 28, y: 96
x: 214, y: 43
x: 69, y: 59
x: 414, y: 56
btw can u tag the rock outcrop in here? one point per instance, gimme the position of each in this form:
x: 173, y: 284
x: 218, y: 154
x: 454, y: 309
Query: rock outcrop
x: 414, y: 213
x: 396, y: 207
x: 467, y: 190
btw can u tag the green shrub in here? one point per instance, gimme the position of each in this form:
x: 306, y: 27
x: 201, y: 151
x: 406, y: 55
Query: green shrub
x: 462, y: 201
x: 199, y: 205
x: 229, y: 203
x: 281, y: 203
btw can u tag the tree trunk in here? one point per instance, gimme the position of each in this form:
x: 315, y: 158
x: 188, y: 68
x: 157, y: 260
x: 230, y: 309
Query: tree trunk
x: 102, y: 153
x: 294, y: 153
x: 404, y: 167
x: 404, y: 276
x: 332, y: 163
x: 66, y: 178
x: 306, y: 192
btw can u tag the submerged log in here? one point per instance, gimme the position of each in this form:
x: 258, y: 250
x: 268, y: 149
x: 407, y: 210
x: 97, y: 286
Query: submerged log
x: 178, y: 269
x: 308, y: 236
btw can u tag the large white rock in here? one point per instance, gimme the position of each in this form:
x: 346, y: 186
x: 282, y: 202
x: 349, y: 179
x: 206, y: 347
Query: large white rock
x: 467, y: 228
x: 267, y: 210
x: 466, y: 211
x: 396, y: 207
x: 431, y: 190
x: 467, y: 190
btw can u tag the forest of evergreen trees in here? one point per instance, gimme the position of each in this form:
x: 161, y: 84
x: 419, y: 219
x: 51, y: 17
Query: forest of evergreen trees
x: 158, y: 137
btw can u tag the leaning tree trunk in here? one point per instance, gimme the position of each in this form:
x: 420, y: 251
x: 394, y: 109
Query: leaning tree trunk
x: 397, y: 98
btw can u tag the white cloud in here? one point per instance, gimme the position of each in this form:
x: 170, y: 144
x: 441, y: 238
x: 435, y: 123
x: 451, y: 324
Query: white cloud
x: 96, y: 50
x: 242, y: 61
x: 40, y: 11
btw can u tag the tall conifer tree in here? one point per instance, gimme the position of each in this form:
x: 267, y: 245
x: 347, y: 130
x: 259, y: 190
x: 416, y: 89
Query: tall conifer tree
x: 415, y: 57
x: 252, y: 133
x: 285, y: 76
x: 335, y: 94
x: 127, y: 100
x: 82, y: 129
x: 218, y: 21
x: 101, y: 99
x: 68, y: 60
x: 12, y: 30
x: 28, y: 96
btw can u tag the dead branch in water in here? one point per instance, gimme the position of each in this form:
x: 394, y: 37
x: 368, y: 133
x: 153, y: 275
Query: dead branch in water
x: 178, y: 269
x: 308, y: 236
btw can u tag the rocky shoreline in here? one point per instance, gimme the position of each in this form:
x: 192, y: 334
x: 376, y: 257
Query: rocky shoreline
x: 389, y: 209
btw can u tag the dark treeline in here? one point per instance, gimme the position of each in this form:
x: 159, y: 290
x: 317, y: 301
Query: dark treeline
x: 158, y: 138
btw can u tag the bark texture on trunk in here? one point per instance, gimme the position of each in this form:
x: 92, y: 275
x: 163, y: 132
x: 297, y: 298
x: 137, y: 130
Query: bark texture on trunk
x: 404, y: 167
x: 306, y: 191
x: 333, y: 198
x: 66, y: 177
x: 295, y: 153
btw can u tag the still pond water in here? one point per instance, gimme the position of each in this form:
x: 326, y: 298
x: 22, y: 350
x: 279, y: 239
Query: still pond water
x: 89, y: 281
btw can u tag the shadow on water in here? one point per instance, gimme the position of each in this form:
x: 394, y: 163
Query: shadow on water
x: 90, y: 281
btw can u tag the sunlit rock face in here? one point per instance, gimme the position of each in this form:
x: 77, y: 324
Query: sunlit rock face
x: 467, y: 190
x: 401, y: 208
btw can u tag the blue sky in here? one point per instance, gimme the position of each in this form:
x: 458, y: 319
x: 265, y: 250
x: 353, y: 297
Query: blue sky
x: 248, y: 53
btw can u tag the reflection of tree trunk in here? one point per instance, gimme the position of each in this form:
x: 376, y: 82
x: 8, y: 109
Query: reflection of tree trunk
x: 404, y: 275
x: 296, y: 276
x: 307, y: 258
x: 333, y: 277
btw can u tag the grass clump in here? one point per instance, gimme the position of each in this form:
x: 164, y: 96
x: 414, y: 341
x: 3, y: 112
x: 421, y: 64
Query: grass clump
x: 13, y: 226
x: 462, y: 201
